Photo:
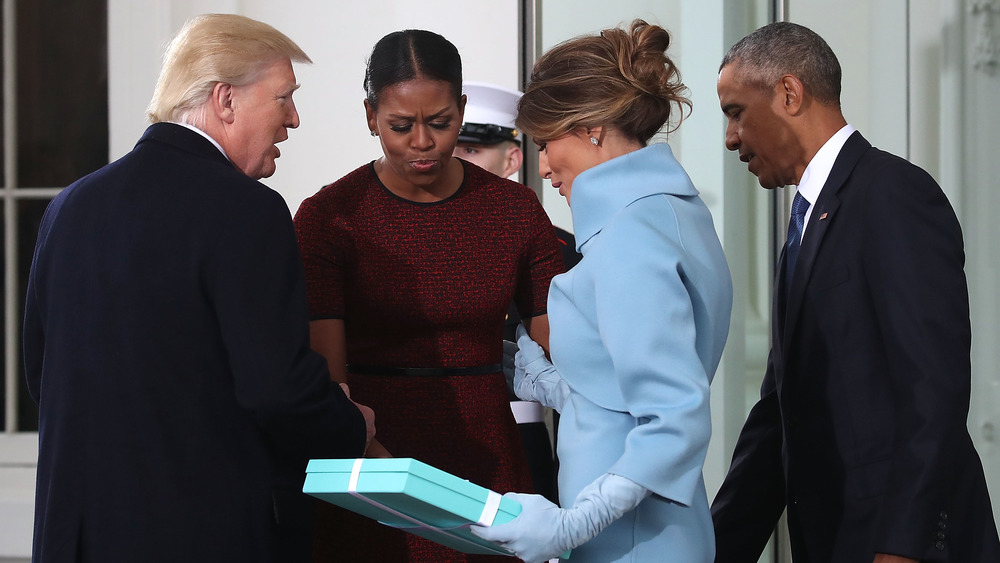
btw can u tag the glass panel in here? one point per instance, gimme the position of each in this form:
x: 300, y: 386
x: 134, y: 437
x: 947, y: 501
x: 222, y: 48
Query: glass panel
x: 62, y: 91
x: 29, y: 216
x: 3, y: 328
x: 3, y: 117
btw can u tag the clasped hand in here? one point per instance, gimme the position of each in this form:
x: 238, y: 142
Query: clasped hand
x: 530, y: 374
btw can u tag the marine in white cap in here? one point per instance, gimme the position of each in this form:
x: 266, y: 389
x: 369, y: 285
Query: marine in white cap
x: 489, y: 138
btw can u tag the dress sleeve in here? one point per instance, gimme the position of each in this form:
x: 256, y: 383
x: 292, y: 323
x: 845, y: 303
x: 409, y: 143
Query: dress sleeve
x: 540, y: 262
x: 324, y: 258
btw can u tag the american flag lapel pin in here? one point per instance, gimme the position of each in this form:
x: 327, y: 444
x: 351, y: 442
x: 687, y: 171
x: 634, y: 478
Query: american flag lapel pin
x: 823, y: 216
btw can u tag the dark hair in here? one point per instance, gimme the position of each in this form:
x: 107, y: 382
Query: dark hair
x: 622, y: 78
x: 781, y: 48
x: 410, y: 54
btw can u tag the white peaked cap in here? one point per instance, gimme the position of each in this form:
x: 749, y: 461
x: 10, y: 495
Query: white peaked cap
x: 490, y: 104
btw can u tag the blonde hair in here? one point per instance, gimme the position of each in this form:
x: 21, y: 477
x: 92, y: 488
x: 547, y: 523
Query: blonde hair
x: 622, y: 78
x: 210, y: 49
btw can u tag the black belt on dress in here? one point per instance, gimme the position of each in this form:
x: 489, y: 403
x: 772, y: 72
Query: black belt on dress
x: 382, y: 370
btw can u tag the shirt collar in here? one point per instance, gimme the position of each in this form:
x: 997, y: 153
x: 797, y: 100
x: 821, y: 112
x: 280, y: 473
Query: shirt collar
x: 204, y: 134
x: 821, y: 165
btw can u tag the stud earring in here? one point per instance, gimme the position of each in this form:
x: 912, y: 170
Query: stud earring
x: 594, y: 141
x: 374, y: 133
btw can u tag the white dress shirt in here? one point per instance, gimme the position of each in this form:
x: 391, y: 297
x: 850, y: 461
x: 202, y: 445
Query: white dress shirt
x: 819, y: 168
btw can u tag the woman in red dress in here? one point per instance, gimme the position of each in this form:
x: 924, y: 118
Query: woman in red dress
x: 410, y: 263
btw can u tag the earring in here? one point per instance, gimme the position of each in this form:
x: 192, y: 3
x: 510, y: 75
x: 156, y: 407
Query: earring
x: 594, y: 141
x: 374, y: 133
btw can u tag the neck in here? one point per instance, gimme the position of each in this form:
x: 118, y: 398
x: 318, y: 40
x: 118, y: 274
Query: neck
x: 815, y: 132
x: 615, y: 144
x: 440, y: 188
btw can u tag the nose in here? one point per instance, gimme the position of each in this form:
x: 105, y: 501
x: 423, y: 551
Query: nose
x: 422, y: 138
x: 732, y: 137
x: 293, y: 117
x: 543, y: 165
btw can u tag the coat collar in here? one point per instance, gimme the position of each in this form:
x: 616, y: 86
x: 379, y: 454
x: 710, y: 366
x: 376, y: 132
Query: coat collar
x: 599, y: 193
x: 184, y: 139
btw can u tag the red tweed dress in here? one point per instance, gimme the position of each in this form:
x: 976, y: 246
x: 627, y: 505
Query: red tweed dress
x: 426, y: 285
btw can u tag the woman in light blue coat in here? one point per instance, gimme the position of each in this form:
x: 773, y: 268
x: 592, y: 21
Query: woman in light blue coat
x: 637, y: 327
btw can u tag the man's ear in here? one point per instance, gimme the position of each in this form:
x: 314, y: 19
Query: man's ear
x: 512, y: 160
x: 793, y: 93
x: 222, y: 102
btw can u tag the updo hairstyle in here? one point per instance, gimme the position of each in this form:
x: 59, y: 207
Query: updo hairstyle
x: 411, y: 54
x: 620, y: 78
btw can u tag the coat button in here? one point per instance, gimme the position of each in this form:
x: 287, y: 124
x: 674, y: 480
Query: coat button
x: 940, y: 535
x: 939, y: 546
x: 943, y: 515
x: 942, y: 525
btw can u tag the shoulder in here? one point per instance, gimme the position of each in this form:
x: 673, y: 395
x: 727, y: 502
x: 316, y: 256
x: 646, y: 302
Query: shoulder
x: 341, y: 194
x: 888, y: 178
x: 487, y: 185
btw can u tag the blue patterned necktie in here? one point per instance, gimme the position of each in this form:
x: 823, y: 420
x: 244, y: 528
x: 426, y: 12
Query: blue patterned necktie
x: 795, y: 223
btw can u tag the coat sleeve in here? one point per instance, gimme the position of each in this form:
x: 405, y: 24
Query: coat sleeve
x: 33, y: 333
x: 752, y: 497
x: 646, y: 322
x: 258, y: 290
x: 914, y: 264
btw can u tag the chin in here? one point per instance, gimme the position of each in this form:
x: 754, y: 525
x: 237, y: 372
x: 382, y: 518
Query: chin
x: 768, y: 184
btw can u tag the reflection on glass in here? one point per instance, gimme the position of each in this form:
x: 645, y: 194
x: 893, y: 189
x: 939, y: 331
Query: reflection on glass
x: 62, y: 85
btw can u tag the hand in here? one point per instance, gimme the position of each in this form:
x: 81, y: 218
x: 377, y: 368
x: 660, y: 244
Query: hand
x: 535, y: 378
x: 366, y: 412
x: 886, y: 558
x: 543, y: 530
x: 376, y: 449
x: 536, y: 535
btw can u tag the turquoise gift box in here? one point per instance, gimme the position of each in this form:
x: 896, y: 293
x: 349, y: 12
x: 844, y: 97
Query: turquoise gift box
x: 415, y: 497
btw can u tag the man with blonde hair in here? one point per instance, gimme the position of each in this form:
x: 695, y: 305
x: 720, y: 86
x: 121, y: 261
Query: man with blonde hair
x: 165, y: 330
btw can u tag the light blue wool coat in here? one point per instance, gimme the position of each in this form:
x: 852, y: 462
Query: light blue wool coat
x: 637, y: 332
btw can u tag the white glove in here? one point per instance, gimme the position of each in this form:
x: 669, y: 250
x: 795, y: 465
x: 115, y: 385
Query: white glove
x: 544, y: 531
x: 535, y: 378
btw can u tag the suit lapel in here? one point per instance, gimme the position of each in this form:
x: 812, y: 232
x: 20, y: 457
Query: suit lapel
x: 820, y: 220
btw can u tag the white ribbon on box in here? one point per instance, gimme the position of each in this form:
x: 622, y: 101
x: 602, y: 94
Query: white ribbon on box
x: 490, y: 509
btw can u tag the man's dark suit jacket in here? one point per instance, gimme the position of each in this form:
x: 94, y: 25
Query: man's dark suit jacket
x: 861, y: 426
x: 166, y: 343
